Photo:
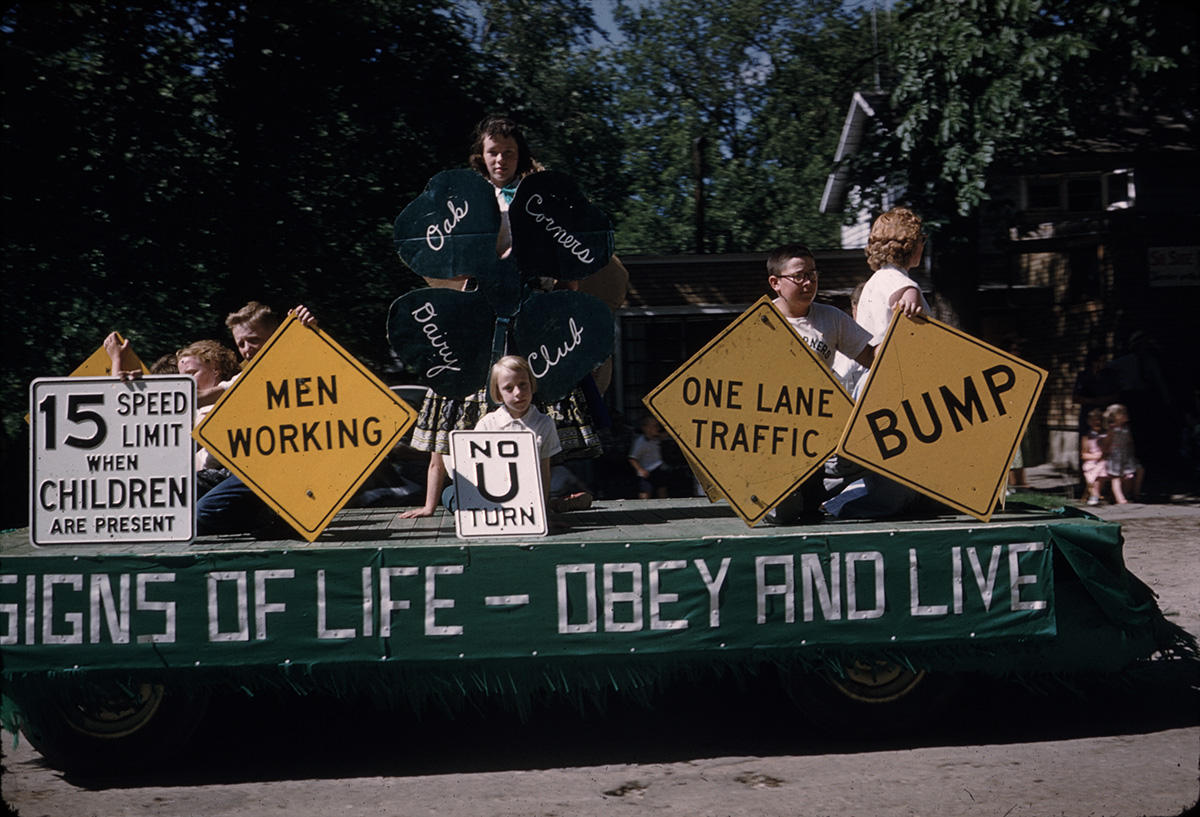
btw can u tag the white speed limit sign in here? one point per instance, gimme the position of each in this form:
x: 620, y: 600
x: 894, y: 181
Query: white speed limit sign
x: 112, y: 461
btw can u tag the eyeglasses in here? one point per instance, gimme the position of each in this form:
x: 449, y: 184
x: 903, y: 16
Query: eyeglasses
x: 800, y: 276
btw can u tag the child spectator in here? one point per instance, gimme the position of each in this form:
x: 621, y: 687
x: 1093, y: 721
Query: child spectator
x: 1091, y: 454
x: 1120, y: 463
x: 896, y: 245
x: 1095, y: 387
x: 645, y: 456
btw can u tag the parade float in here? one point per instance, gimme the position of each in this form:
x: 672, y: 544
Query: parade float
x: 117, y: 623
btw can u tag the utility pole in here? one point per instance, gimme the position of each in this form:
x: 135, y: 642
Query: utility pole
x: 698, y: 170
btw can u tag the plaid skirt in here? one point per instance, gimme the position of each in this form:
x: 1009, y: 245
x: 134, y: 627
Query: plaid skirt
x: 441, y: 415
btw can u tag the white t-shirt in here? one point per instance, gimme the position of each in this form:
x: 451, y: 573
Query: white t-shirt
x: 848, y: 370
x: 827, y: 329
x: 542, y: 427
x: 874, y: 313
x: 647, y: 453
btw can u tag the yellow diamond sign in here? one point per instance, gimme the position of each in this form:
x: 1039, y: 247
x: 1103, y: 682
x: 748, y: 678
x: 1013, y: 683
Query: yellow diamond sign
x: 304, y: 425
x: 755, y: 411
x: 943, y: 413
x: 99, y: 364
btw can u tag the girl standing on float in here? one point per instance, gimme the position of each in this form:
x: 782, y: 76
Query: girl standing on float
x: 896, y: 244
x: 501, y: 155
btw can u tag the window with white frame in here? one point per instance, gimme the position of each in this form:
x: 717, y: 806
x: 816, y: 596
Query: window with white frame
x: 1078, y: 192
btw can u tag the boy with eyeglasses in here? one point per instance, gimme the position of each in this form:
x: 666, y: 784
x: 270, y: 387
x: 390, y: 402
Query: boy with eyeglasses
x: 792, y: 274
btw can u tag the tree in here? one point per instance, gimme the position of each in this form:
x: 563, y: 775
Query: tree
x: 163, y: 164
x: 545, y: 58
x: 981, y: 86
x: 800, y: 123
x: 980, y: 83
x: 704, y: 92
x: 337, y: 114
x: 105, y: 170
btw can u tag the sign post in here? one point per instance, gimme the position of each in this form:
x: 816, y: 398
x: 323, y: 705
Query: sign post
x: 112, y: 461
x: 943, y: 413
x: 754, y: 411
x: 304, y: 426
x: 497, y: 484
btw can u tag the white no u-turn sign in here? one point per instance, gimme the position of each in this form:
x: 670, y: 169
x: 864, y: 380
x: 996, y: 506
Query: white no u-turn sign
x: 498, y: 484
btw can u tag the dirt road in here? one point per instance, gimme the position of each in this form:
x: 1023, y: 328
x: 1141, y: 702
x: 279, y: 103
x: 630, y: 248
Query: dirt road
x: 737, y: 750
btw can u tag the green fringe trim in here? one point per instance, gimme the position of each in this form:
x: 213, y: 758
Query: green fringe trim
x: 583, y: 682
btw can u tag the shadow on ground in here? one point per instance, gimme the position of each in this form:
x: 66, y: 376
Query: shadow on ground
x: 271, y: 738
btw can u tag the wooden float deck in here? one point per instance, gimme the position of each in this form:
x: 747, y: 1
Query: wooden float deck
x: 607, y: 522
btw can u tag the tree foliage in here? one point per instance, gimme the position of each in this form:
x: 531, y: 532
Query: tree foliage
x: 164, y: 163
x: 984, y: 83
x: 714, y: 91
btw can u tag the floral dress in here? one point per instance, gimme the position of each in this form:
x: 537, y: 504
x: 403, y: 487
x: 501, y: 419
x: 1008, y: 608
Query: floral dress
x: 1121, y: 462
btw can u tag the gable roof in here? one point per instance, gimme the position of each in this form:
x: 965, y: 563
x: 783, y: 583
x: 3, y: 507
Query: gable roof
x: 862, y: 109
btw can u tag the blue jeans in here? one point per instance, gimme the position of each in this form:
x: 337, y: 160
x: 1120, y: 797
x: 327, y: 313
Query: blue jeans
x: 230, y: 507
